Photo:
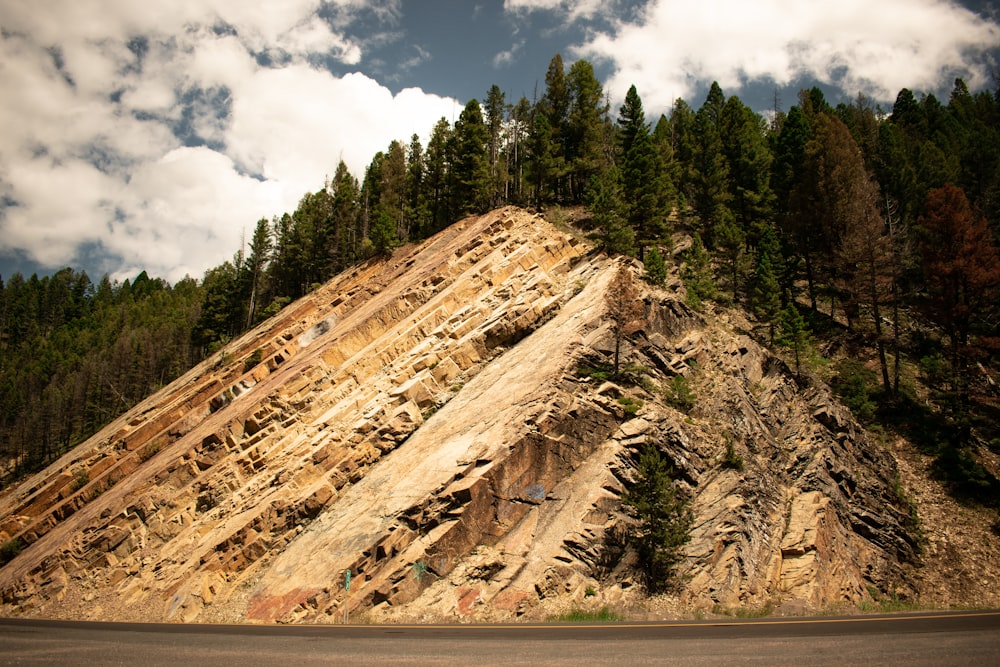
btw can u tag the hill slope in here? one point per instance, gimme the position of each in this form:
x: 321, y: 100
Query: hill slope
x: 426, y: 422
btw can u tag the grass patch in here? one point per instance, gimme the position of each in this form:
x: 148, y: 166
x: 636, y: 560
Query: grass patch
x: 884, y: 604
x: 600, y: 374
x: 602, y: 615
x: 631, y: 405
x: 761, y: 611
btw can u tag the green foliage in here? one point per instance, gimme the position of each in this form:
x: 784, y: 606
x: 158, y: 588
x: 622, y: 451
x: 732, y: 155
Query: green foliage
x: 602, y: 615
x: 663, y: 519
x: 253, y: 360
x: 632, y: 405
x: 656, y: 267
x: 383, y: 235
x: 600, y: 374
x: 80, y: 479
x: 794, y: 334
x: 10, y: 549
x: 857, y: 387
x: 74, y: 355
x: 697, y: 274
x: 934, y: 368
x: 731, y: 458
x: 679, y: 394
x: 605, y: 202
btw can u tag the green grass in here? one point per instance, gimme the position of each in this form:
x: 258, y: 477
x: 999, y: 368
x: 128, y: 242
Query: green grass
x: 602, y: 615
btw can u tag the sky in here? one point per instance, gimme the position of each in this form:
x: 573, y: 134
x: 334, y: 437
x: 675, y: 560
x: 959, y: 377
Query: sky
x: 153, y: 136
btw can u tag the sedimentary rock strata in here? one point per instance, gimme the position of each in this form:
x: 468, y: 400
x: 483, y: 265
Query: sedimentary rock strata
x: 425, y: 422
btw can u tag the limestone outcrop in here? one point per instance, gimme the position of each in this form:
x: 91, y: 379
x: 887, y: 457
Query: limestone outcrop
x: 431, y: 423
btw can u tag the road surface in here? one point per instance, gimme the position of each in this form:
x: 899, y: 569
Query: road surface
x: 936, y: 638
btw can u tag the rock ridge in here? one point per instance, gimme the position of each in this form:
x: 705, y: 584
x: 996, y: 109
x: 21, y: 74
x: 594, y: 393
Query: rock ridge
x: 430, y: 423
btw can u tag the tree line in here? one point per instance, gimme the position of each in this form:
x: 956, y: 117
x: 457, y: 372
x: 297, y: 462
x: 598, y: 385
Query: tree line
x: 867, y: 215
x: 74, y: 355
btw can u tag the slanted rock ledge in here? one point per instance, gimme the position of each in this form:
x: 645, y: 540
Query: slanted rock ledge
x: 427, y: 422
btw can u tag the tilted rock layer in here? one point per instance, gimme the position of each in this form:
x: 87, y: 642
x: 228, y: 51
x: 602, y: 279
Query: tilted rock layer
x: 431, y: 423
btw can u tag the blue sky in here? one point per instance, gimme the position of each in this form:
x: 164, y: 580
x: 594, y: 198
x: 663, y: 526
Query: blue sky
x: 154, y: 135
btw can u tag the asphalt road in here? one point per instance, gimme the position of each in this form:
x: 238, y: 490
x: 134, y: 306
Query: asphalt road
x: 951, y: 638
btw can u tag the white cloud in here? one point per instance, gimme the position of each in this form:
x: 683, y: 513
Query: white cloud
x: 295, y: 124
x: 857, y: 45
x: 574, y: 9
x: 96, y: 161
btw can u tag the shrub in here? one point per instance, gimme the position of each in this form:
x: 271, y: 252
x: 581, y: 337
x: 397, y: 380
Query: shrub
x: 80, y: 480
x: 10, y: 549
x: 656, y: 267
x: 855, y: 385
x: 679, y: 394
x: 732, y: 459
x: 631, y: 405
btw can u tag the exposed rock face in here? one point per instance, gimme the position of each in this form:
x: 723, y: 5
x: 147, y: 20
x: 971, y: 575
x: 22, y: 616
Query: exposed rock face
x: 423, y: 422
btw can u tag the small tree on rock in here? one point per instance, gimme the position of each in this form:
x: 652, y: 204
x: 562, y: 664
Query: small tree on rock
x: 625, y: 308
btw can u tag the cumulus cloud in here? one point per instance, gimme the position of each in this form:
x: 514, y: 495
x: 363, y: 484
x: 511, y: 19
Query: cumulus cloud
x: 152, y: 135
x: 672, y: 46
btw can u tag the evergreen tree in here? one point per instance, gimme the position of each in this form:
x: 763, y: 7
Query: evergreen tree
x: 710, y: 170
x: 683, y: 140
x: 604, y: 201
x: 765, y: 301
x: 696, y: 273
x: 494, y: 113
x: 392, y: 190
x: 343, y: 243
x: 417, y: 210
x: 585, y: 128
x: 794, y: 334
x: 643, y: 176
x: 438, y: 177
x: 256, y: 267
x: 656, y: 267
x: 472, y: 183
x: 663, y: 518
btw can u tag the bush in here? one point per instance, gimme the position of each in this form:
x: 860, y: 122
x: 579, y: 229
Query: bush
x: 631, y: 405
x: 10, y: 549
x: 80, y: 480
x: 855, y: 385
x: 732, y: 459
x: 679, y: 394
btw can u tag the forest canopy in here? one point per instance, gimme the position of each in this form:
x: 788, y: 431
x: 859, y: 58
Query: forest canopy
x: 867, y: 215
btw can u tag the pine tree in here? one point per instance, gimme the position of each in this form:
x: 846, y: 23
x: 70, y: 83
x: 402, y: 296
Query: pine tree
x: 765, y: 299
x: 794, y: 334
x: 697, y: 273
x: 656, y: 267
x: 472, y: 176
x: 494, y: 112
x: 962, y: 269
x: 643, y: 176
x: 663, y: 518
x: 604, y: 201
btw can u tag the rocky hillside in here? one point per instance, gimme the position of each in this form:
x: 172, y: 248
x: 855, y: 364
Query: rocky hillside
x: 437, y: 423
